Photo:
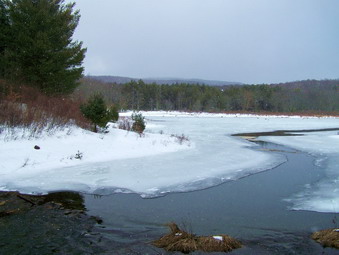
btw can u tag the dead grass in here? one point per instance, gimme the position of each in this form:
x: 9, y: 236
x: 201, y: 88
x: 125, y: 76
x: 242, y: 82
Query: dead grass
x: 327, y: 238
x: 179, y: 240
x: 27, y: 108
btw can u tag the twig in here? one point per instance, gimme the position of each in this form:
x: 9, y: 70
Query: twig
x: 27, y: 200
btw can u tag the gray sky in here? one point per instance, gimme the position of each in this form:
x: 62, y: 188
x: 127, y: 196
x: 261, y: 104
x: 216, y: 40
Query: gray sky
x: 250, y: 41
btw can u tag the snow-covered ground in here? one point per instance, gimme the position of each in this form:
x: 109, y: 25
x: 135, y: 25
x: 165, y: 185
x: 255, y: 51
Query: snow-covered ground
x: 24, y: 168
x: 156, y: 164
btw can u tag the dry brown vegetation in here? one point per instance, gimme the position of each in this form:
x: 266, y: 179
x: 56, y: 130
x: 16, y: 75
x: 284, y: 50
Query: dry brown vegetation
x: 327, y: 238
x: 28, y: 108
x: 179, y: 240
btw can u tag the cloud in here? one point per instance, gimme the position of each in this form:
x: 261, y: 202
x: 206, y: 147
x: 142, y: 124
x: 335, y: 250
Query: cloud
x: 243, y: 40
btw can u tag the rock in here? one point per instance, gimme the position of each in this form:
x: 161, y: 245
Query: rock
x: 36, y: 147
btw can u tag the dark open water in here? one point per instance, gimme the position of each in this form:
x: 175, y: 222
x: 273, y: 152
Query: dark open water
x: 251, y: 209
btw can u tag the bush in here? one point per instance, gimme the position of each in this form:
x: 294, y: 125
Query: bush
x: 114, y: 113
x: 125, y: 124
x: 181, y: 138
x: 34, y: 112
x: 139, y: 123
x: 96, y: 111
x: 180, y: 240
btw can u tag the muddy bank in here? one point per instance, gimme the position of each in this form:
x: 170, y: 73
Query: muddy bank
x: 52, y: 224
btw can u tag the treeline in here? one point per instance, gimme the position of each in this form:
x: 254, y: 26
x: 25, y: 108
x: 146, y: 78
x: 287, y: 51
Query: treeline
x: 303, y: 96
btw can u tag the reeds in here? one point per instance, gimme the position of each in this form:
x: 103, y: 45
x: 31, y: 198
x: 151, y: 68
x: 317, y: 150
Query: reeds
x: 179, y: 240
x: 328, y: 237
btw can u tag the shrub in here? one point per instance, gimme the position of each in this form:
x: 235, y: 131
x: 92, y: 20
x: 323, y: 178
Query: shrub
x: 34, y: 112
x: 125, y: 124
x: 139, y: 123
x: 114, y: 113
x: 96, y: 111
x: 180, y: 240
x: 181, y: 138
x: 78, y: 155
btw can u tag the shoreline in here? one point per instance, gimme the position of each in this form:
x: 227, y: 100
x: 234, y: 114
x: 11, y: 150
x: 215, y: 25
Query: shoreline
x: 282, y: 132
x: 235, y: 113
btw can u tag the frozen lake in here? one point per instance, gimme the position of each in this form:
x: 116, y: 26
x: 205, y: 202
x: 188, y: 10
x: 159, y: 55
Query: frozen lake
x: 218, y: 157
x: 156, y: 164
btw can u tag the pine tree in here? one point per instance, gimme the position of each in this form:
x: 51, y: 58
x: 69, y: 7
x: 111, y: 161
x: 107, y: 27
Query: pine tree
x: 139, y: 123
x: 4, y: 28
x: 96, y: 111
x: 41, y: 51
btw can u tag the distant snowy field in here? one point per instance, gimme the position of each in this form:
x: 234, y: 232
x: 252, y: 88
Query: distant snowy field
x: 157, y: 163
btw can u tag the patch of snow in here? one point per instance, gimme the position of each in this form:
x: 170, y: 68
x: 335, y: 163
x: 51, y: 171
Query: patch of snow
x: 314, y: 142
x: 219, y: 238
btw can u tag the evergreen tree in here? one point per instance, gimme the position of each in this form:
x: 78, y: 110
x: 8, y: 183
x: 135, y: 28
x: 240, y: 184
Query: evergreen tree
x: 4, y: 30
x: 139, y: 123
x: 96, y: 111
x: 113, y: 113
x: 41, y: 51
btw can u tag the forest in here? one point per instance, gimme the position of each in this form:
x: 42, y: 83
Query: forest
x: 308, y: 96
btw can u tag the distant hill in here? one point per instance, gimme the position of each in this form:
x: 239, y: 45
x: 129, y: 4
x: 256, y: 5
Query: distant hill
x: 170, y: 81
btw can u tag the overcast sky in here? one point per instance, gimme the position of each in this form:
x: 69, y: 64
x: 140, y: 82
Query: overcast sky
x: 250, y: 41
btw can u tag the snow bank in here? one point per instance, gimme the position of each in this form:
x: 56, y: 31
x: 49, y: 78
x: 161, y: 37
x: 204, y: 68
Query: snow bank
x: 127, y: 164
x: 78, y: 148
